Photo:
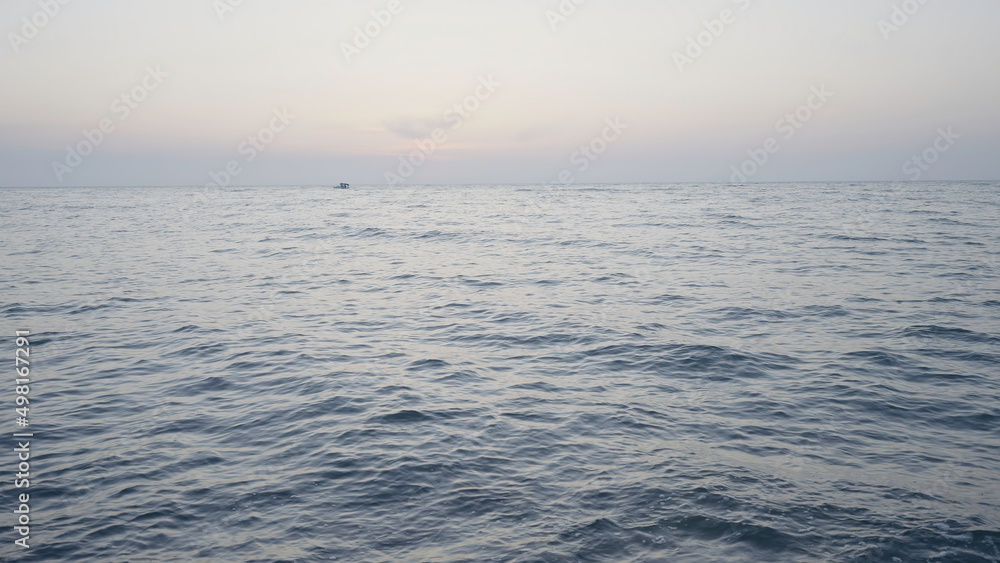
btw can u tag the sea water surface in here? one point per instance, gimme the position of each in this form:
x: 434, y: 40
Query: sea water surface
x: 620, y: 373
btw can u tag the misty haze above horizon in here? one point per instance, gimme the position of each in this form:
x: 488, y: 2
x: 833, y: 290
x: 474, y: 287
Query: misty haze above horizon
x: 261, y: 92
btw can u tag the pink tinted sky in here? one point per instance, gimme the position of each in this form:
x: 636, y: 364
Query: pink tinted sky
x: 532, y: 87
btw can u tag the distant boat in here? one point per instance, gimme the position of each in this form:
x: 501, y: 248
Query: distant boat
x: 344, y: 186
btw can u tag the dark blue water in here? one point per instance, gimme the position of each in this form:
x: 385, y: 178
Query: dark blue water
x: 683, y: 373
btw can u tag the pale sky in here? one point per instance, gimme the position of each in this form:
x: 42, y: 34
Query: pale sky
x: 547, y: 85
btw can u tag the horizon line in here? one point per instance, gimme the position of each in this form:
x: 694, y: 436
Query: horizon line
x: 543, y: 184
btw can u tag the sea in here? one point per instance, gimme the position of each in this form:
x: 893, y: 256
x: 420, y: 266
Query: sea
x: 788, y: 372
